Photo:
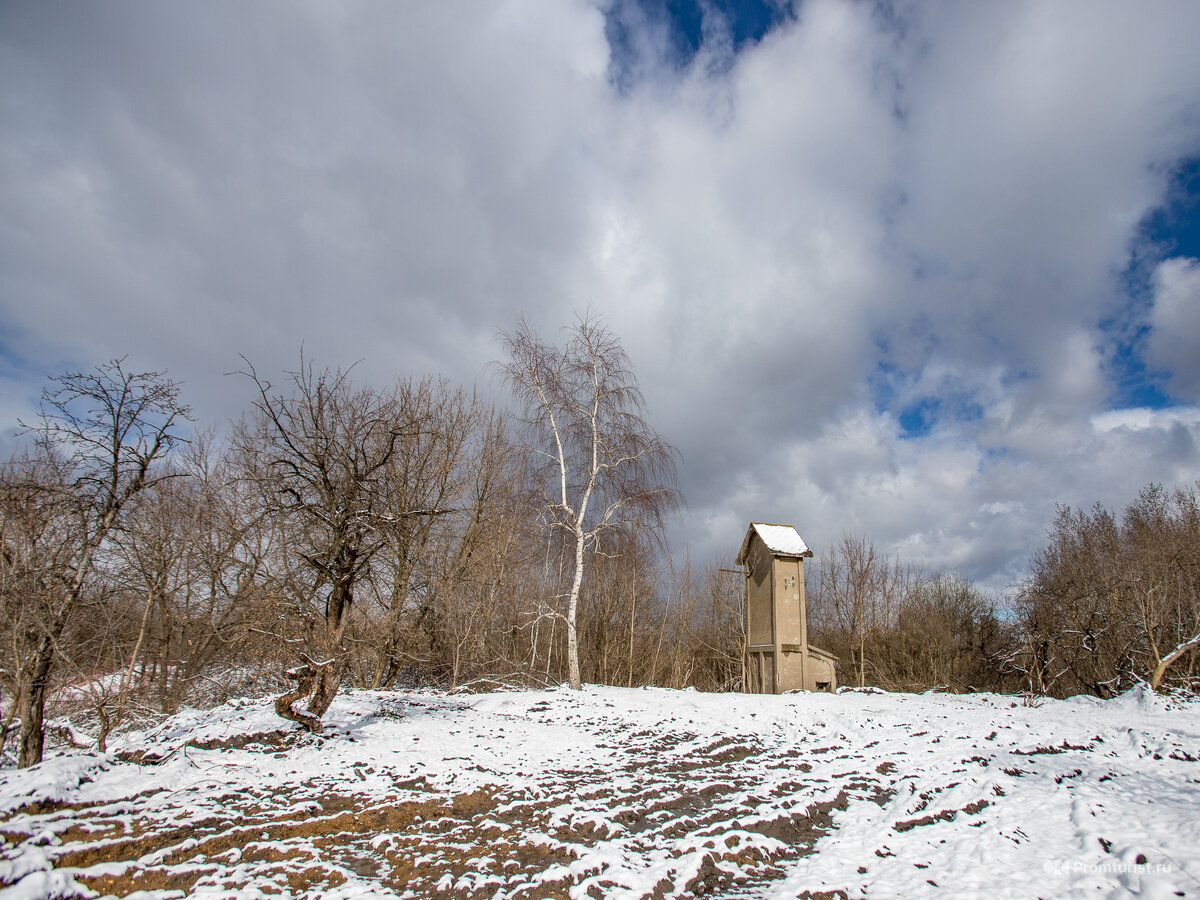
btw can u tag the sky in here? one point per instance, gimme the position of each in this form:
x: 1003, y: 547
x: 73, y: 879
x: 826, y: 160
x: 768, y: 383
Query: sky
x: 916, y: 272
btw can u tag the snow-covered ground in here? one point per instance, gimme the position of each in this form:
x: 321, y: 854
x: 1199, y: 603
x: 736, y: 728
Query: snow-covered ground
x: 625, y: 793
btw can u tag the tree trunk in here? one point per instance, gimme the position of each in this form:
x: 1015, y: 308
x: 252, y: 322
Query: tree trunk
x: 328, y: 674
x: 572, y: 610
x: 329, y: 679
x: 8, y: 719
x: 106, y: 726
x: 573, y: 651
x: 304, y: 676
x: 383, y: 663
x: 37, y: 674
x: 32, y: 705
x: 1160, y: 670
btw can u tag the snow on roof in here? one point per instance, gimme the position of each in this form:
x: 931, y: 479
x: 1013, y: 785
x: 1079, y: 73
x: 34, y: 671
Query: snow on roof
x: 781, y: 540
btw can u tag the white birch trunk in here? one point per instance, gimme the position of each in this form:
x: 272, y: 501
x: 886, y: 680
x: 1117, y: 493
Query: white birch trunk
x: 572, y: 610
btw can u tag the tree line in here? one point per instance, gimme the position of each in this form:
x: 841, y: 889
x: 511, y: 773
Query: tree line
x: 1109, y: 602
x: 341, y: 533
x: 337, y: 533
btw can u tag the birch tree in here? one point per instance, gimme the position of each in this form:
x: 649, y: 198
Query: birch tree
x: 602, y: 469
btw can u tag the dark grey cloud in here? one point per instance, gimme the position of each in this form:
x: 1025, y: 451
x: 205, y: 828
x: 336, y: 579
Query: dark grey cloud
x: 856, y: 223
x: 376, y: 183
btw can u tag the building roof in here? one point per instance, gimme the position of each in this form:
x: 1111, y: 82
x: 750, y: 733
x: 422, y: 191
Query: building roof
x: 781, y: 540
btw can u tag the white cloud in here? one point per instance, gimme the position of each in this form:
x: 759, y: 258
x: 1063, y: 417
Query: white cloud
x: 857, y: 214
x: 1174, y: 343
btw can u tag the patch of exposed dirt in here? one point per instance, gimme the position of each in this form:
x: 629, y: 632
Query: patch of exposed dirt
x: 803, y: 830
x: 279, y: 739
x: 143, y: 880
x: 945, y: 815
x: 1061, y: 748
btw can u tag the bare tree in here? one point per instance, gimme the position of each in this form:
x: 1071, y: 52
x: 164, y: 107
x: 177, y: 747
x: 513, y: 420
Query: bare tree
x: 187, y: 562
x: 471, y: 567
x: 227, y: 586
x: 321, y: 457
x: 858, y: 594
x: 33, y: 554
x: 100, y: 437
x: 602, y: 469
x: 1161, y: 534
x: 1109, y: 602
x: 724, y: 634
x: 436, y: 468
x: 1071, y: 606
x: 945, y: 633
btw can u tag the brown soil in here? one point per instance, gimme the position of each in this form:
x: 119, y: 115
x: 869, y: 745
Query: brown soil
x: 468, y: 846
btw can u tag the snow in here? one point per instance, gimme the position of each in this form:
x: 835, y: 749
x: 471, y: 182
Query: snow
x: 781, y: 539
x: 624, y: 793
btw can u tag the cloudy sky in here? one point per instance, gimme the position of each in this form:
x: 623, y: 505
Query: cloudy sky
x: 915, y: 271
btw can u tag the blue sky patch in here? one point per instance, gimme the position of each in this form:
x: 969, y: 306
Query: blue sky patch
x: 681, y: 24
x: 1170, y: 230
x: 1173, y: 229
x: 919, y: 418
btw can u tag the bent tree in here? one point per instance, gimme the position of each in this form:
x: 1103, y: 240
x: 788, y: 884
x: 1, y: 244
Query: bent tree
x: 99, y: 442
x: 322, y: 457
x: 603, y: 471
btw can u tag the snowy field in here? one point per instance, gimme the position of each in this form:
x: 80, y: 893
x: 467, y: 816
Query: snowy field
x: 625, y: 793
